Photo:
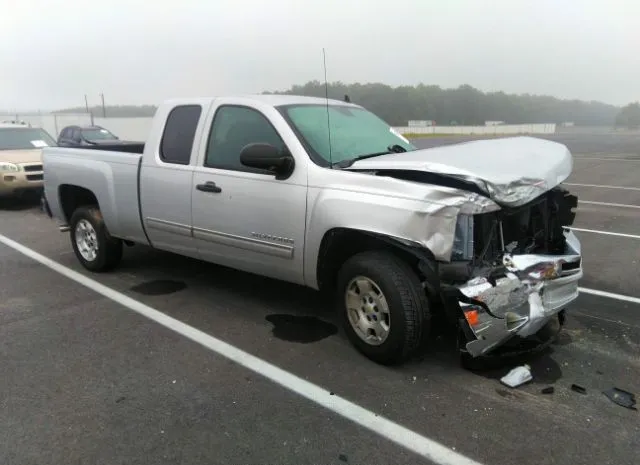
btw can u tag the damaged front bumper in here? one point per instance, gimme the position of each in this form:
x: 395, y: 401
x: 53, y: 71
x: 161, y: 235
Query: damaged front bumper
x: 520, y: 301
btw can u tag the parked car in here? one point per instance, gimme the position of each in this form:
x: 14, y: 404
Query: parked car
x: 72, y: 136
x: 16, y: 122
x: 324, y: 194
x: 21, y: 158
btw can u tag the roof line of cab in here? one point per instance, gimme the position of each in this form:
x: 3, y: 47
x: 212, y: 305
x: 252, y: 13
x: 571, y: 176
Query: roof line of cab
x: 274, y: 100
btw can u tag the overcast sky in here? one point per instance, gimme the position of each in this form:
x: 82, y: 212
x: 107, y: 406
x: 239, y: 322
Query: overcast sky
x: 52, y: 52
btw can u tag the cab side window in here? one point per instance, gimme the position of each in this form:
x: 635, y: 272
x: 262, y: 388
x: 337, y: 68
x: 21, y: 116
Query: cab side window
x: 179, y: 132
x: 232, y: 129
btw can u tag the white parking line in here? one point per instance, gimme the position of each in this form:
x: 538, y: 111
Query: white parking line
x: 602, y: 186
x: 599, y: 318
x: 607, y: 204
x: 610, y: 295
x: 606, y: 233
x: 421, y: 445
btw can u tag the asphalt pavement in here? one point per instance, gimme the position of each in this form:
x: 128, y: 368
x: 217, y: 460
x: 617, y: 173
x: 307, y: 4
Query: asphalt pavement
x: 86, y: 380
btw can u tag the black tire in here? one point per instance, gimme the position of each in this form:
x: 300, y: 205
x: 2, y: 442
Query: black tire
x: 408, y: 305
x: 109, y: 251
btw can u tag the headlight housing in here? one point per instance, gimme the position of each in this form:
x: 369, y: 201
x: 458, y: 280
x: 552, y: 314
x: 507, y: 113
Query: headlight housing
x: 463, y: 246
x: 8, y: 167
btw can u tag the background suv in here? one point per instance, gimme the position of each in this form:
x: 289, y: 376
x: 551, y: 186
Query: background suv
x: 21, y: 158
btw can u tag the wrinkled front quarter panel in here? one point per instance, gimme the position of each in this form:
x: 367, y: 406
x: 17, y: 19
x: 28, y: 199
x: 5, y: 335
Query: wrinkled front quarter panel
x: 415, y: 213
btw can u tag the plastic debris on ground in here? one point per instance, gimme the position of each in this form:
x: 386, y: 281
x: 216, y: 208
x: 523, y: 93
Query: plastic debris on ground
x: 548, y: 390
x: 578, y: 388
x: 517, y: 376
x: 622, y: 398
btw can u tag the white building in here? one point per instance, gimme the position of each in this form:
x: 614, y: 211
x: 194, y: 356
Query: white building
x: 421, y: 123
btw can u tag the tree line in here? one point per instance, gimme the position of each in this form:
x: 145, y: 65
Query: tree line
x: 463, y: 105
x: 629, y: 116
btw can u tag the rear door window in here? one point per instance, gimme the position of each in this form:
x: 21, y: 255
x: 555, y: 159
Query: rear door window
x: 179, y: 133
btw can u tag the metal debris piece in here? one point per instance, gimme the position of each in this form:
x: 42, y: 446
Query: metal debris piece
x: 533, y: 267
x: 537, y: 313
x: 622, y: 398
x: 548, y: 390
x: 578, y: 388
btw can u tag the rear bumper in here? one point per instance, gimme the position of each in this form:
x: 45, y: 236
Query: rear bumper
x: 534, y: 290
x: 21, y: 191
x: 18, y: 183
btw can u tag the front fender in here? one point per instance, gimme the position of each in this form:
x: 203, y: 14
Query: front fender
x: 427, y: 220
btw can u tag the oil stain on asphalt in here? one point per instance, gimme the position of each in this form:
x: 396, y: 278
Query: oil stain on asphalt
x: 159, y: 287
x: 301, y: 329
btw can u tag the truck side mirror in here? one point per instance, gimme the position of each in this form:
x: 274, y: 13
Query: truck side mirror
x: 267, y: 157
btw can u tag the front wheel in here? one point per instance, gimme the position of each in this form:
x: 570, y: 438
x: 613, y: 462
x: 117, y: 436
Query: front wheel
x: 383, y: 306
x: 91, y: 242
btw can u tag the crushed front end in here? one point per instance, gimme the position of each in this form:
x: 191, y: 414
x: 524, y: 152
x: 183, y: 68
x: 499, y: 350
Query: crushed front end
x: 512, y: 270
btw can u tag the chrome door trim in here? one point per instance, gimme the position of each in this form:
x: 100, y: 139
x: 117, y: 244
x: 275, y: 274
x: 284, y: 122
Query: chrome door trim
x: 169, y: 226
x: 246, y: 243
x: 217, y: 237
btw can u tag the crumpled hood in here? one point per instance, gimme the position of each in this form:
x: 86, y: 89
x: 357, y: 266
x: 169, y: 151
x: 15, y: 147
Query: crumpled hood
x: 511, y: 171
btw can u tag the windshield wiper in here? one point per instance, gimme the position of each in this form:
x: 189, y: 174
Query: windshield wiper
x: 347, y: 163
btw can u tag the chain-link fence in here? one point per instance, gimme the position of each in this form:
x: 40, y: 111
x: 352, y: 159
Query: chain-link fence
x: 53, y: 124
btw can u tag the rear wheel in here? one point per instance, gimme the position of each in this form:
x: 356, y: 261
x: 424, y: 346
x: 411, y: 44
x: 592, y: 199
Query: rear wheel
x: 383, y: 306
x: 91, y: 242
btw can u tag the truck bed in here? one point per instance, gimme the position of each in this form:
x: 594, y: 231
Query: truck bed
x: 112, y: 175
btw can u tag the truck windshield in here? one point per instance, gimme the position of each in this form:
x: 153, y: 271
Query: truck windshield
x: 97, y: 134
x: 24, y: 138
x: 354, y: 132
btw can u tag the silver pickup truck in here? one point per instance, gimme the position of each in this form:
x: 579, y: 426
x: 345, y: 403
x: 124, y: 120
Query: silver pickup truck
x: 324, y: 194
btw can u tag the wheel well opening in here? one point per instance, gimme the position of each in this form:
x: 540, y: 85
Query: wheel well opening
x: 338, y: 245
x: 72, y: 197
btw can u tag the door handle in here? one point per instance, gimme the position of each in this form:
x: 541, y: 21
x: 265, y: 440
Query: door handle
x: 209, y: 186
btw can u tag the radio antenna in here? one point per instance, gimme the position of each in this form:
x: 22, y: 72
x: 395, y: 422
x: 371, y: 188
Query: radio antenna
x: 326, y: 96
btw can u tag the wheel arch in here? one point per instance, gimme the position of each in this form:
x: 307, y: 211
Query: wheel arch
x: 340, y: 244
x: 73, y: 197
